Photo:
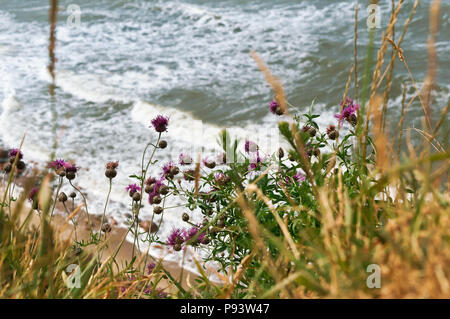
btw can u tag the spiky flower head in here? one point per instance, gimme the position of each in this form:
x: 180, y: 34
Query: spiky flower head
x: 132, y: 188
x: 57, y: 164
x: 331, y: 132
x: 273, y: 106
x: 13, y: 152
x: 112, y: 165
x: 192, y: 233
x: 160, y: 123
x: 176, y: 237
x: 150, y: 181
x: 155, y: 189
x: 71, y: 167
x: 222, y: 179
x: 348, y: 111
x: 167, y: 167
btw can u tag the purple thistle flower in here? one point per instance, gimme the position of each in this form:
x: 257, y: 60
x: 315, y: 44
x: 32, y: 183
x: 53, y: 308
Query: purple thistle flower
x: 151, y: 196
x: 185, y: 159
x: 192, y: 232
x: 150, y: 180
x: 167, y: 167
x: 273, y: 106
x: 150, y: 267
x: 33, y: 193
x: 70, y: 167
x: 250, y: 147
x: 222, y: 179
x: 155, y: 191
x: 132, y: 188
x: 252, y: 167
x: 349, y: 110
x: 178, y: 236
x: 13, y: 152
x: 57, y: 164
x: 160, y: 123
x: 112, y: 165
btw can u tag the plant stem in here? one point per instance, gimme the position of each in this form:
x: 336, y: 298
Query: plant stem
x: 104, y: 209
x: 85, y: 205
x: 56, y: 197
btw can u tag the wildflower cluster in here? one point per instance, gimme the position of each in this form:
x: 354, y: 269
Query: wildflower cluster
x: 349, y: 108
x: 63, y: 168
x: 193, y: 236
x: 15, y: 157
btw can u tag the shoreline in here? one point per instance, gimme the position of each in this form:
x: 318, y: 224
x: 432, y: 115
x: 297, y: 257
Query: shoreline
x: 168, y: 258
x: 66, y: 232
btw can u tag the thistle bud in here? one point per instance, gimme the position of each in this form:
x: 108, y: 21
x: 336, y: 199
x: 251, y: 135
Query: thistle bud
x: 149, y: 188
x: 331, y: 132
x: 162, y: 144
x: 279, y: 111
x: 280, y: 153
x: 70, y: 175
x: 164, y: 190
x: 106, y: 228
x: 156, y: 199
x: 177, y: 247
x: 73, y: 195
x: 310, y: 130
x: 158, y: 210
x: 352, y: 119
x: 21, y: 165
x: 210, y: 164
x: 111, y: 173
x: 174, y: 171
x: 62, y: 197
x: 185, y: 217
x: 7, y: 168
x: 136, y: 196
